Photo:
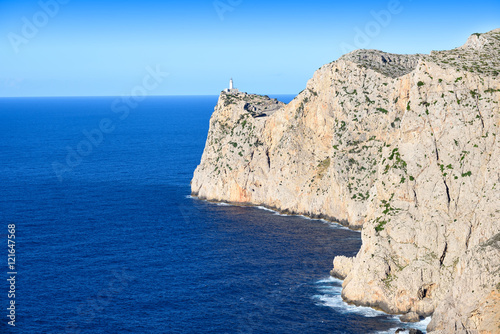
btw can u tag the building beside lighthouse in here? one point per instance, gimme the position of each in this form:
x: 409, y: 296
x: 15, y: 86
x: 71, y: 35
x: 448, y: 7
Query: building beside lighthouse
x: 231, y: 88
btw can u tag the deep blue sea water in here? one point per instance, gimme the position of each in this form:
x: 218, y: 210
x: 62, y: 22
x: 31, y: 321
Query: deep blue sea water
x: 108, y: 239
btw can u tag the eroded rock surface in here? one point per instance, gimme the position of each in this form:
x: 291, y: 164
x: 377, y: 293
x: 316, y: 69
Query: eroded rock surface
x: 405, y: 146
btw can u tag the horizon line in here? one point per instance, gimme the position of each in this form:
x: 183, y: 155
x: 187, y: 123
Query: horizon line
x: 73, y: 96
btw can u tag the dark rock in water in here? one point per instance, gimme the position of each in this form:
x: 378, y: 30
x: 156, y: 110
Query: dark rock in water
x: 415, y: 331
x: 410, y: 331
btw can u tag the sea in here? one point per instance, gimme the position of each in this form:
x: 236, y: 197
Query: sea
x: 95, y: 195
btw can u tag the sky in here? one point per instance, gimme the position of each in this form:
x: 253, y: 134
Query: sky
x: 114, y: 48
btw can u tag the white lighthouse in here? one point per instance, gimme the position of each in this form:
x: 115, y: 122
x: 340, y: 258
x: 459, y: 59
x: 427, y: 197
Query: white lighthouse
x: 231, y: 88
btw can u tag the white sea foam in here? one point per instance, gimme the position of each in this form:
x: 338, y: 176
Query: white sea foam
x: 330, y: 290
x: 223, y: 204
x: 421, y: 325
x: 277, y: 213
x: 331, y: 224
x: 339, y: 226
x: 335, y: 301
x: 282, y: 214
x: 330, y: 279
x: 390, y: 331
x: 264, y: 208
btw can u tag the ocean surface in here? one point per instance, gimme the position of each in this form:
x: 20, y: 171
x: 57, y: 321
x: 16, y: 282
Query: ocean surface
x: 108, y: 239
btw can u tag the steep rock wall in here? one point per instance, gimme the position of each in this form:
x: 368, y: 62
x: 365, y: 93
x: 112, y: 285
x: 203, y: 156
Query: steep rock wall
x: 405, y: 146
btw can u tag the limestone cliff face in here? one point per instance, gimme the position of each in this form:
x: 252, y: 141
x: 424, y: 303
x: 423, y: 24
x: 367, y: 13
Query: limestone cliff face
x: 405, y: 146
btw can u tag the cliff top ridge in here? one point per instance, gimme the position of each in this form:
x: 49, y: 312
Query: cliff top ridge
x: 477, y: 55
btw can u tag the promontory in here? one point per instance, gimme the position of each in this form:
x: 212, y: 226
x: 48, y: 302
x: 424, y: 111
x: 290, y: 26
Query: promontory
x: 403, y: 147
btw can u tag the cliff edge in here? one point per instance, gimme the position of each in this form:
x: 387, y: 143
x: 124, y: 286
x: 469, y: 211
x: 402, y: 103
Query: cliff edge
x: 404, y: 146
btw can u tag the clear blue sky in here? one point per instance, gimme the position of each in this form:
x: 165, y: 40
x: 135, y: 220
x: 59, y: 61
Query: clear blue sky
x: 88, y: 47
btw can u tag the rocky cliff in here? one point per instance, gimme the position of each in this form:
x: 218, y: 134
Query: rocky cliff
x: 404, y: 146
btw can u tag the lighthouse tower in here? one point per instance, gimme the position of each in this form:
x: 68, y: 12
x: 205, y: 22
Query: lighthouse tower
x: 231, y: 88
